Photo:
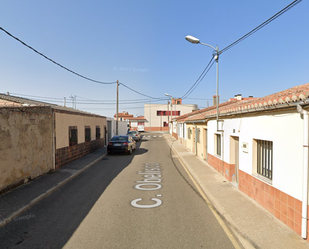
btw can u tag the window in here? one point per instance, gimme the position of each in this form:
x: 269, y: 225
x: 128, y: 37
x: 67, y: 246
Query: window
x: 168, y: 113
x: 72, y: 135
x: 97, y: 132
x: 218, y: 144
x: 198, y: 135
x: 264, y: 158
x: 189, y: 133
x: 87, y: 134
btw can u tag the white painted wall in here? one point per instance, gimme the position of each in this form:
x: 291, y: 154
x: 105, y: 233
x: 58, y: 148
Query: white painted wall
x: 286, y: 132
x: 150, y: 113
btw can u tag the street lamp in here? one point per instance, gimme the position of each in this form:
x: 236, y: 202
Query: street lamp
x: 195, y: 40
x: 166, y: 94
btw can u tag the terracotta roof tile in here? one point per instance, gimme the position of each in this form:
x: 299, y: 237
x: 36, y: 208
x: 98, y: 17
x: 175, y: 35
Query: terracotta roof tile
x: 290, y: 95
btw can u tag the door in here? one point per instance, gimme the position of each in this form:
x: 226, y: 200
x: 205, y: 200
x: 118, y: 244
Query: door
x: 235, y: 158
x: 205, y: 145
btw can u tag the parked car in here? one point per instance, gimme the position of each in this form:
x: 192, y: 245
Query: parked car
x: 135, y: 134
x: 121, y: 144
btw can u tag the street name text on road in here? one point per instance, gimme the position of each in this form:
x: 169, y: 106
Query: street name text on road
x: 152, y: 181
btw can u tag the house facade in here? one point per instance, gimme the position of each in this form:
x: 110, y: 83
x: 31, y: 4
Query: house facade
x: 159, y: 116
x: 38, y: 137
x: 260, y: 145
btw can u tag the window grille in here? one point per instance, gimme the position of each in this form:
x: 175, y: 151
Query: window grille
x: 218, y: 144
x: 97, y: 132
x: 87, y: 134
x: 72, y: 135
x: 265, y: 158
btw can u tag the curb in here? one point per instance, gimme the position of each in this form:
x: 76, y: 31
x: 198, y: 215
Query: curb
x: 243, y: 241
x: 45, y: 194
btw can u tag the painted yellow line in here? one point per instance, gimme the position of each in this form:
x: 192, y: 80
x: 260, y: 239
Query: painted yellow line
x: 230, y: 235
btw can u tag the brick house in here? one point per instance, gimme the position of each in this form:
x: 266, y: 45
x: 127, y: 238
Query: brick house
x: 38, y: 137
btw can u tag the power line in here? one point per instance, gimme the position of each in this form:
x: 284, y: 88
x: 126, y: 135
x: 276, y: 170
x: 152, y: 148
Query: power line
x: 58, y: 64
x: 200, y: 78
x: 291, y: 5
x: 87, y: 101
x: 71, y: 71
x: 140, y: 92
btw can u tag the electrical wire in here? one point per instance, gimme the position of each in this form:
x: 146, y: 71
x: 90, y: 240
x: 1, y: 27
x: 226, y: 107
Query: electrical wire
x: 140, y: 92
x: 200, y: 78
x: 288, y: 7
x: 87, y: 101
x: 71, y: 71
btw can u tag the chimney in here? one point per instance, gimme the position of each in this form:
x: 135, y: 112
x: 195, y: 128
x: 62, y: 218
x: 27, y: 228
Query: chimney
x: 214, y: 100
x: 238, y: 96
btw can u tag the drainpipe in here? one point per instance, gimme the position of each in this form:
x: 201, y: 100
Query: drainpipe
x: 195, y: 140
x: 305, y: 173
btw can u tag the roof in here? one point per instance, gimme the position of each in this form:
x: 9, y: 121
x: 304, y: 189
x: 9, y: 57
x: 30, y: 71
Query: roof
x: 13, y: 101
x: 273, y: 101
x: 124, y: 115
x: 139, y: 118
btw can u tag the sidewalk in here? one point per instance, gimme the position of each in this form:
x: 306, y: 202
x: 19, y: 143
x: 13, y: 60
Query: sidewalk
x: 18, y: 200
x: 251, y: 224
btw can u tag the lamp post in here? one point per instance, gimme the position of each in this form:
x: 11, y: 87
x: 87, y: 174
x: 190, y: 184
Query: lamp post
x: 195, y: 40
x: 170, y: 96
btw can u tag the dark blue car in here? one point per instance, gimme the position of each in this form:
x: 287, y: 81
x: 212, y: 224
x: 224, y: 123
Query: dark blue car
x: 124, y: 144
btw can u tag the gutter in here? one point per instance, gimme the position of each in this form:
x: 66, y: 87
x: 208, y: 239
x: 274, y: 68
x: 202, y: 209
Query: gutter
x: 305, y: 173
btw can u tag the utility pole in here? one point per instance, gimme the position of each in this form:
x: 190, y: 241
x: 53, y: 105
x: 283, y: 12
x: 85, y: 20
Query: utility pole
x: 150, y: 115
x: 117, y: 108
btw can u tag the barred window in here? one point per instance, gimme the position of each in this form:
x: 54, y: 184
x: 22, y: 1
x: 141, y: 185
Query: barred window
x: 72, y: 135
x: 218, y: 144
x: 97, y: 132
x: 265, y: 158
x: 87, y: 134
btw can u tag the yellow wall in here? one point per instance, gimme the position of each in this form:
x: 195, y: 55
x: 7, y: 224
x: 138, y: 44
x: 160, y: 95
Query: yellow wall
x: 199, y: 146
x: 64, y: 120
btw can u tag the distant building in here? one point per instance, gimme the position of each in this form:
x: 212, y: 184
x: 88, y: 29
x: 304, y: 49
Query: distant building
x: 160, y: 115
x: 133, y: 123
x: 123, y: 116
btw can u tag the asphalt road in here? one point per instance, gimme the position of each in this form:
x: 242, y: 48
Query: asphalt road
x: 143, y: 200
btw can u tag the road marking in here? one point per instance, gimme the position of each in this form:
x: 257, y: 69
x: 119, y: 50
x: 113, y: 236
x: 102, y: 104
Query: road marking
x: 227, y: 231
x: 151, y: 181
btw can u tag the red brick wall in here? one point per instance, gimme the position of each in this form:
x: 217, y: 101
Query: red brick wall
x: 68, y: 154
x: 156, y: 128
x: 286, y: 208
x: 227, y: 170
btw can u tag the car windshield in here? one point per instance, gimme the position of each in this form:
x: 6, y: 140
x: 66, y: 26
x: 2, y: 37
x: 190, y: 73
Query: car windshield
x: 120, y: 139
x: 132, y: 132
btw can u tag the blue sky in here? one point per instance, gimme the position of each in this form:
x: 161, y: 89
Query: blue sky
x: 142, y: 44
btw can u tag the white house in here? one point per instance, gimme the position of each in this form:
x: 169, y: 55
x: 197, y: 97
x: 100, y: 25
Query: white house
x: 261, y: 147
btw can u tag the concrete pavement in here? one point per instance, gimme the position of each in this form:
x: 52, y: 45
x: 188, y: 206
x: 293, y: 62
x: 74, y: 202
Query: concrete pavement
x: 20, y: 199
x: 253, y: 226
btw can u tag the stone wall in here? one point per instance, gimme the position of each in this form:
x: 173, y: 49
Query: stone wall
x: 25, y: 144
